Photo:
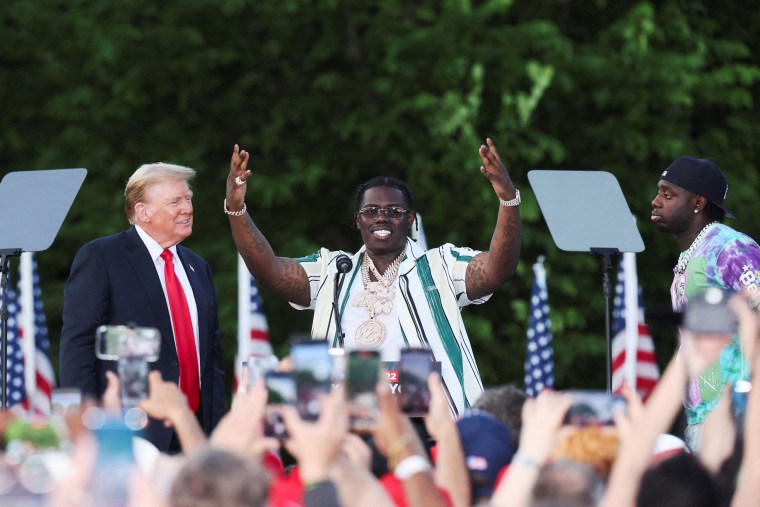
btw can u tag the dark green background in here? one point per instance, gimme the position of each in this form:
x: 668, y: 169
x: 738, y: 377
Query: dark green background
x: 326, y: 94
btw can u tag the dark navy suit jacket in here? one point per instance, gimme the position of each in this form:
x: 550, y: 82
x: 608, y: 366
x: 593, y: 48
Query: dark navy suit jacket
x: 113, y: 281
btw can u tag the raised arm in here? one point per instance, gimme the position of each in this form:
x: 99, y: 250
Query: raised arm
x: 636, y: 450
x: 542, y: 419
x: 283, y: 276
x: 488, y: 270
x: 451, y: 471
x: 748, y: 486
x: 397, y: 440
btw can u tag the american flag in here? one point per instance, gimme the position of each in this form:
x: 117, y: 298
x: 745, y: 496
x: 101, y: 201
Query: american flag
x: 539, y: 363
x: 633, y: 358
x: 30, y: 373
x: 253, y: 330
x: 40, y: 376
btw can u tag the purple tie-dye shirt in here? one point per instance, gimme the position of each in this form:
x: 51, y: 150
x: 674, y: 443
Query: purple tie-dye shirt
x: 730, y: 260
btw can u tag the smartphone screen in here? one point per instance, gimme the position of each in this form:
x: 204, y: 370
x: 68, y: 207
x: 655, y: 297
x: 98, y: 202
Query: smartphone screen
x: 281, y: 390
x: 413, y: 372
x: 258, y: 365
x: 133, y: 380
x: 113, y: 342
x: 362, y: 375
x: 312, y: 370
x: 594, y: 408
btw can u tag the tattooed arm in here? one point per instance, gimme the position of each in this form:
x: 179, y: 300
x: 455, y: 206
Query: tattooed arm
x: 283, y: 276
x: 488, y: 270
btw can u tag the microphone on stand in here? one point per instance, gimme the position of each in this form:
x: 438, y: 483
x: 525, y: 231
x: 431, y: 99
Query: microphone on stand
x: 344, y: 265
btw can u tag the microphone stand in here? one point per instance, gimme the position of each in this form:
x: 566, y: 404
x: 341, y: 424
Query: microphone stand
x: 336, y: 312
x: 344, y: 265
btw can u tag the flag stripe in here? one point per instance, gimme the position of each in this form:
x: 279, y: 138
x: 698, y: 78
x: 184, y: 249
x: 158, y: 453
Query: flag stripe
x: 618, y: 362
x: 43, y: 386
x: 647, y: 384
x: 259, y: 334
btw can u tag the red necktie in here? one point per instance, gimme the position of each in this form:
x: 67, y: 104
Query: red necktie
x: 184, y: 337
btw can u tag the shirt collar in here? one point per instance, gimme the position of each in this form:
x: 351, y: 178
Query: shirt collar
x: 152, y: 245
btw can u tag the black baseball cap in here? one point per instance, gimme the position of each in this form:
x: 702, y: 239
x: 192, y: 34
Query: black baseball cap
x: 701, y: 177
x: 709, y: 313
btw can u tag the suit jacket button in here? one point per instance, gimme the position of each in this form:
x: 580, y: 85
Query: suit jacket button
x: 174, y: 363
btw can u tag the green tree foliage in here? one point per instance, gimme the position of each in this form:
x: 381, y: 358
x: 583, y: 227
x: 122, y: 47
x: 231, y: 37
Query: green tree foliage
x: 326, y: 94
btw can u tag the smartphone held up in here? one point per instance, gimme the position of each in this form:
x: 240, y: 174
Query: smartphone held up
x: 363, y: 372
x: 281, y: 390
x: 594, y: 408
x: 414, y: 369
x: 258, y: 365
x: 132, y: 348
x: 312, y: 371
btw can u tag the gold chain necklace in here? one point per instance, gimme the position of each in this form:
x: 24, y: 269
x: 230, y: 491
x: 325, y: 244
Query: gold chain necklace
x: 377, y: 298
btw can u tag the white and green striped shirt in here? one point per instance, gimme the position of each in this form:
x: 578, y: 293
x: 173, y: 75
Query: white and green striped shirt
x: 431, y: 292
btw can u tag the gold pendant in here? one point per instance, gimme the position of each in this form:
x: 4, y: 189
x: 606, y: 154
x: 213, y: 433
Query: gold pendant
x: 370, y: 333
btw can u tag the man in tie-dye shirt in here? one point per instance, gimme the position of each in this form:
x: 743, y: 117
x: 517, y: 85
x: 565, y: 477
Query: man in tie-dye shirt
x: 689, y: 205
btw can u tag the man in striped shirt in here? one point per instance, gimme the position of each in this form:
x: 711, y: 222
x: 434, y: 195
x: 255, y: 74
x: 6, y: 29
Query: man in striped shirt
x: 396, y: 295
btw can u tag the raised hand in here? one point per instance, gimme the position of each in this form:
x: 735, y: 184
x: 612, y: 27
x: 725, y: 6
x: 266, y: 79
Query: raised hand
x: 315, y: 444
x: 438, y: 421
x: 395, y: 437
x: 541, y: 421
x: 489, y: 270
x: 240, y: 430
x: 166, y: 402
x: 236, y: 180
x: 494, y: 169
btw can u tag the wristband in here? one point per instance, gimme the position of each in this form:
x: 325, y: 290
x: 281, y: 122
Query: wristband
x: 511, y: 202
x: 321, y: 493
x: 525, y: 460
x: 410, y: 466
x: 308, y: 486
x: 234, y: 213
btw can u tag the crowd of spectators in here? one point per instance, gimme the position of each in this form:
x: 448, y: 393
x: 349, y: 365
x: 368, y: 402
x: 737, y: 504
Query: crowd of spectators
x: 508, y: 450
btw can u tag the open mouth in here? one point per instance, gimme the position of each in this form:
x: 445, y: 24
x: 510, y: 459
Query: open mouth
x: 381, y: 233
